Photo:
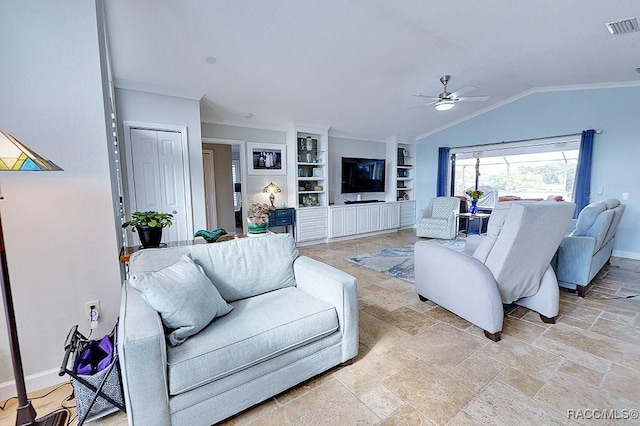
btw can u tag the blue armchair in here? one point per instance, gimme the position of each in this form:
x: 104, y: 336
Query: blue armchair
x: 588, y: 245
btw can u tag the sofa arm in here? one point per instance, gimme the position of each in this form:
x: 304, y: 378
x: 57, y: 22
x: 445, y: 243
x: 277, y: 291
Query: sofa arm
x: 143, y: 361
x: 336, y: 288
x: 574, y: 259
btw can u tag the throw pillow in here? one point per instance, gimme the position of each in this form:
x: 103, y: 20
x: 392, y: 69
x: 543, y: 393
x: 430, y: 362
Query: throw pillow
x: 183, y: 295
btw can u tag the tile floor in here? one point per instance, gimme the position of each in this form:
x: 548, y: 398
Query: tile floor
x: 420, y: 364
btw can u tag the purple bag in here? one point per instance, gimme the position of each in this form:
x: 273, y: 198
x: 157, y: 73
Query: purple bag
x: 95, y: 356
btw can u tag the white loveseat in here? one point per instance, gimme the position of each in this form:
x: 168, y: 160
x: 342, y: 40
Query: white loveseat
x: 292, y: 318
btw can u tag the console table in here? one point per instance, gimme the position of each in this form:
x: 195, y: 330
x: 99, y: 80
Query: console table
x: 283, y: 217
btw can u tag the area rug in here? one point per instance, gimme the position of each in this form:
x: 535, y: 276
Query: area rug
x: 398, y: 261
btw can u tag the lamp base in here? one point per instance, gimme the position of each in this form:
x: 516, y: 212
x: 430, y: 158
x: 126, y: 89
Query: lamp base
x: 27, y: 413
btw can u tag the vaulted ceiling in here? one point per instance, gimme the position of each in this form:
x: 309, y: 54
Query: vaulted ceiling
x: 355, y: 64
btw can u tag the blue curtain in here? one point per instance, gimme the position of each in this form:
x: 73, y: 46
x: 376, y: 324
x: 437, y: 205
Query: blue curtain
x: 582, y: 184
x: 443, y: 171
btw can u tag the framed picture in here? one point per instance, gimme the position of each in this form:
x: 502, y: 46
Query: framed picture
x: 266, y: 159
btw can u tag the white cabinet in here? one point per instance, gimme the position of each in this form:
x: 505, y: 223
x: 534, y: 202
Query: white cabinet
x: 407, y: 214
x: 311, y: 224
x: 390, y: 216
x: 368, y: 218
x: 342, y: 221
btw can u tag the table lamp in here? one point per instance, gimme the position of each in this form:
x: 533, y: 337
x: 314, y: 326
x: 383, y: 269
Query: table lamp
x: 15, y: 156
x: 272, y: 188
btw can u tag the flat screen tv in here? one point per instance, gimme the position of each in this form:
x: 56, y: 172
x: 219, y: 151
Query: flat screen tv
x: 362, y: 175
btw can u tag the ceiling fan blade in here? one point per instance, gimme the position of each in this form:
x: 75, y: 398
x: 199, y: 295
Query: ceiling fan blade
x: 423, y: 105
x: 472, y: 98
x: 461, y: 91
x: 426, y: 96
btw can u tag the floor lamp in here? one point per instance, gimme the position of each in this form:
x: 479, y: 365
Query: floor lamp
x: 14, y: 156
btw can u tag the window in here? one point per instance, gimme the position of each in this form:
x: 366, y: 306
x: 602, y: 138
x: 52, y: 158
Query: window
x: 533, y: 170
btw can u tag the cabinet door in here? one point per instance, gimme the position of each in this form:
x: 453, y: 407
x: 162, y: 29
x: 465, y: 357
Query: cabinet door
x: 394, y: 216
x: 350, y: 220
x: 337, y: 222
x: 374, y: 218
x: 385, y: 212
x: 363, y: 221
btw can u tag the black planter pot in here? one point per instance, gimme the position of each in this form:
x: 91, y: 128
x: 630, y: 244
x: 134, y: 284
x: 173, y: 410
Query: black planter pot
x: 149, y: 236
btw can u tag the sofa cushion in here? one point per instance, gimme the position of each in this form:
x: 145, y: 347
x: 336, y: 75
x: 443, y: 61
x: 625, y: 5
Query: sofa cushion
x: 259, y: 328
x: 239, y: 268
x: 184, y: 297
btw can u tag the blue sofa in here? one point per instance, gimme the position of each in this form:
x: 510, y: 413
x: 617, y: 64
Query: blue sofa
x: 292, y: 318
x: 588, y: 244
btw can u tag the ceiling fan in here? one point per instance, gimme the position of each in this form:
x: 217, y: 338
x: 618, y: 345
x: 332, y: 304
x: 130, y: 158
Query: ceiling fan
x: 446, y: 100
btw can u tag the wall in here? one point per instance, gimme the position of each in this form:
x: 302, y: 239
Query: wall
x: 616, y: 150
x: 59, y: 227
x: 153, y: 108
x: 225, y: 215
x: 252, y: 188
x: 341, y: 147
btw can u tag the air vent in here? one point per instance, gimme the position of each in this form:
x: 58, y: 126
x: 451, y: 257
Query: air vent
x: 623, y: 27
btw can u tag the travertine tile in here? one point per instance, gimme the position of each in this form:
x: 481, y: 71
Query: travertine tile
x: 477, y: 370
x: 381, y: 401
x: 443, y: 345
x: 366, y: 373
x: 623, y: 353
x: 443, y: 315
x: 499, y: 404
x: 304, y: 387
x: 522, y: 330
x: 523, y: 357
x: 565, y: 394
x: 571, y: 353
x: 574, y: 322
x: 525, y: 383
x: 586, y: 374
x: 432, y: 392
x: 379, y: 336
x: 616, y: 330
x: 407, y: 416
x: 623, y: 382
x: 404, y: 318
x: 463, y: 419
x: 580, y: 312
x: 329, y: 403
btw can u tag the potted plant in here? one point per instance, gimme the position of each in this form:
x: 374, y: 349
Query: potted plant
x: 149, y: 226
x: 258, y: 218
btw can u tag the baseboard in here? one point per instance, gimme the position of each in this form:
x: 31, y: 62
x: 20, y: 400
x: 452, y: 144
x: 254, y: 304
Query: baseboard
x: 626, y: 254
x: 34, y: 382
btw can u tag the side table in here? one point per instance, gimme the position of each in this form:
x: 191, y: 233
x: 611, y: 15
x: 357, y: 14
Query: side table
x: 283, y: 217
x: 470, y: 218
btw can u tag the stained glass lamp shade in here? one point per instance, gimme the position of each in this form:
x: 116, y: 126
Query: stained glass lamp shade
x: 271, y: 189
x: 15, y: 156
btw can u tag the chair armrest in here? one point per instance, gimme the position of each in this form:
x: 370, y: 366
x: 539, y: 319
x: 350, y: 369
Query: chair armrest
x: 336, y: 288
x: 143, y: 360
x: 572, y: 226
x: 459, y: 283
x: 574, y: 258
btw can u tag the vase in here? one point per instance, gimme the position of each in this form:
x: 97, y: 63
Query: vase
x: 474, y: 207
x: 150, y: 236
x: 254, y: 228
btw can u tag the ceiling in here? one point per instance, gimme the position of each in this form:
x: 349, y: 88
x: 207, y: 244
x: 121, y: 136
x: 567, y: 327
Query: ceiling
x: 354, y: 64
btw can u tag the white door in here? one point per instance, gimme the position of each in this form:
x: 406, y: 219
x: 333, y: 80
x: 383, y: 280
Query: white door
x: 158, y: 178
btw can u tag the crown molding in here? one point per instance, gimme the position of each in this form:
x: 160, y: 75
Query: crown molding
x: 157, y: 90
x: 253, y: 125
x: 542, y: 89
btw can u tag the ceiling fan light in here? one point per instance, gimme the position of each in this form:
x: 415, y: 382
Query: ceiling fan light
x: 444, y: 105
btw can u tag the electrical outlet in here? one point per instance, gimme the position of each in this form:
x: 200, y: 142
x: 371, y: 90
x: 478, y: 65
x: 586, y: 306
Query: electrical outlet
x: 92, y: 311
x: 625, y: 196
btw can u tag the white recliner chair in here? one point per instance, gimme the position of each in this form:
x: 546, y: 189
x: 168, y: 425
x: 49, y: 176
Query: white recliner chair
x: 438, y: 220
x: 511, y: 264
